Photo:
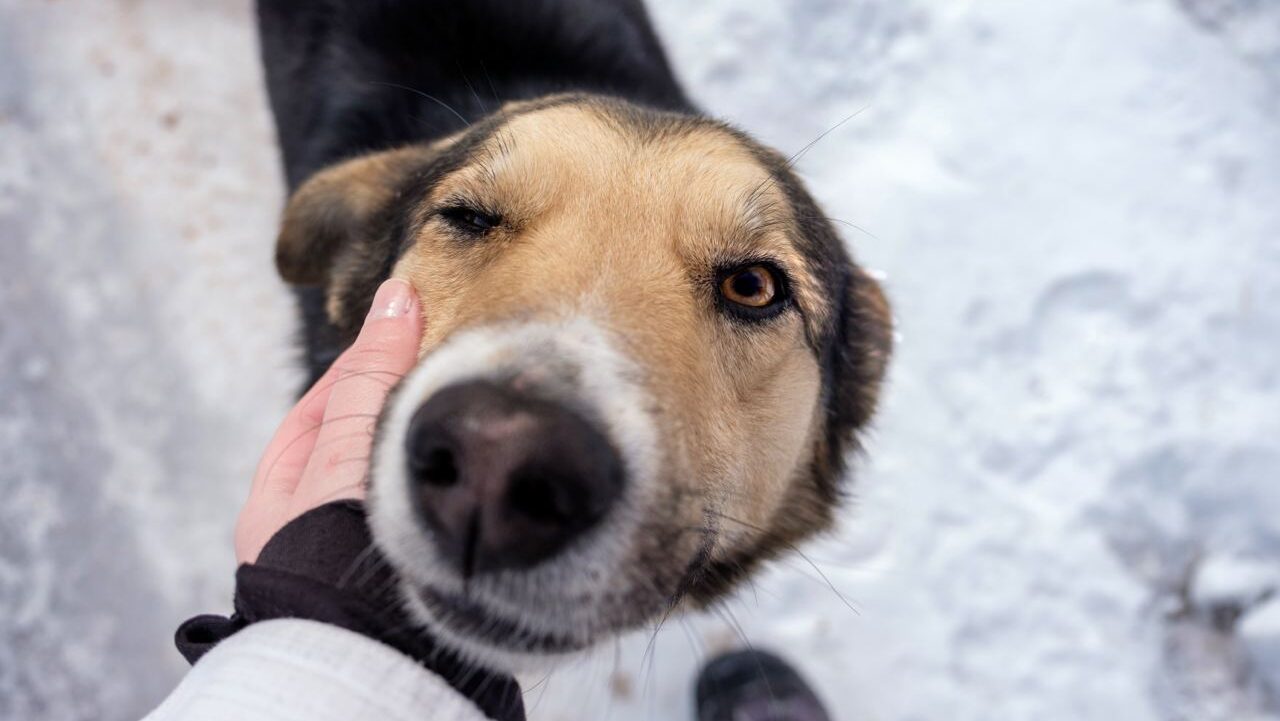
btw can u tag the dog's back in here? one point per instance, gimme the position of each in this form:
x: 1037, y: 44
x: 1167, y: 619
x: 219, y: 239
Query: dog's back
x: 353, y: 76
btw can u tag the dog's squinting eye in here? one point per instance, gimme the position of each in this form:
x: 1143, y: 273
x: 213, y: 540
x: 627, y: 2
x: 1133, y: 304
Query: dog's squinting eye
x: 469, y: 220
x: 754, y: 286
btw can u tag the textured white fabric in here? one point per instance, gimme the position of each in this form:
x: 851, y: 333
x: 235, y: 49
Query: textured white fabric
x: 294, y: 670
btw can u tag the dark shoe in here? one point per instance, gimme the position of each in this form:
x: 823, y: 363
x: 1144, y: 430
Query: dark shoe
x: 755, y: 686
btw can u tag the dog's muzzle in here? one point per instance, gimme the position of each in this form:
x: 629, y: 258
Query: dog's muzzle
x: 514, y: 470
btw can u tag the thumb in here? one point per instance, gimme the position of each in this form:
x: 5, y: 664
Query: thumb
x: 385, y: 350
x: 391, y: 331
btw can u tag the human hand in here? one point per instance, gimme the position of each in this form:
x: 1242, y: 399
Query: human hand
x: 321, y: 451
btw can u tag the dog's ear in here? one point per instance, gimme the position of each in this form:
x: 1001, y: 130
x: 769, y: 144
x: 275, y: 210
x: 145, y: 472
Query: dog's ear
x: 860, y: 354
x: 334, y: 209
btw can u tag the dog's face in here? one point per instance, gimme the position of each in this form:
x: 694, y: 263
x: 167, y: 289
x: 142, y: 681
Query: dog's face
x: 645, y: 356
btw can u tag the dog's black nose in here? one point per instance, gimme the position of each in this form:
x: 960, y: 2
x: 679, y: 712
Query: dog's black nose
x: 504, y: 480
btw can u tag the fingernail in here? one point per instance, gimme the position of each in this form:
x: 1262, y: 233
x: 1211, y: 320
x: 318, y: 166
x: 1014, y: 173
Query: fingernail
x: 393, y: 299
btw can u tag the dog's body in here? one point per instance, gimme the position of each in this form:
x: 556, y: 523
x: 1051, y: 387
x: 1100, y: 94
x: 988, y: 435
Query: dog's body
x: 647, y: 352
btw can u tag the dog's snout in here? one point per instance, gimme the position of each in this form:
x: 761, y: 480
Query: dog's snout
x: 505, y: 480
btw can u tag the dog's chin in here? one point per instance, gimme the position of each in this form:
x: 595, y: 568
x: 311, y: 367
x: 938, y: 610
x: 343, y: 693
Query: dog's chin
x: 487, y: 636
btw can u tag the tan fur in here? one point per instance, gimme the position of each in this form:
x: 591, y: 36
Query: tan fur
x: 623, y: 229
x: 328, y: 211
x: 627, y: 220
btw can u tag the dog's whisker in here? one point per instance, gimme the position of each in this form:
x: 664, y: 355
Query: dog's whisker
x: 349, y: 461
x: 429, y: 125
x: 794, y: 549
x: 650, y: 651
x: 497, y: 99
x: 368, y: 551
x: 840, y: 221
x: 795, y: 158
x: 479, y: 103
x: 366, y: 433
x: 695, y: 642
x: 555, y: 666
x: 726, y: 614
x: 428, y: 96
x: 484, y: 685
x: 307, y: 433
x: 344, y: 374
x: 537, y: 684
x: 791, y: 162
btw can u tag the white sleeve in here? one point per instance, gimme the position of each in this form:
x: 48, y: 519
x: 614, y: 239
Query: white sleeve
x: 295, y: 670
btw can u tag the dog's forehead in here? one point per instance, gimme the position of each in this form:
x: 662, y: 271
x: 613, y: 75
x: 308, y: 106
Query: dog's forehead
x: 636, y: 153
x: 710, y: 185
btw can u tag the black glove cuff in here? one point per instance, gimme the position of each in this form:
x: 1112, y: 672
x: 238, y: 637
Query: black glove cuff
x: 323, y: 566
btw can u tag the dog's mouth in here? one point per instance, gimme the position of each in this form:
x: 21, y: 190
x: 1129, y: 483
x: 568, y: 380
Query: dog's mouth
x: 513, y: 470
x: 457, y: 614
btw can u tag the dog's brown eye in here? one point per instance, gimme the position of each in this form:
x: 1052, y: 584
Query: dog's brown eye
x: 470, y: 220
x: 753, y: 286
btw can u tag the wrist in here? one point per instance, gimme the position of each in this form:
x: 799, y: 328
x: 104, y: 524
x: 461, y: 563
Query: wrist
x: 323, y: 566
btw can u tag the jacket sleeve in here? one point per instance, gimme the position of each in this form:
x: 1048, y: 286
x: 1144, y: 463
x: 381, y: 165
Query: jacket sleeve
x: 323, y: 569
x: 301, y: 670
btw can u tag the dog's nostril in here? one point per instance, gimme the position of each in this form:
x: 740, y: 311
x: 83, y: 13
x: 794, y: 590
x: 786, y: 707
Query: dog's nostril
x: 503, y: 479
x: 540, y: 498
x: 436, y: 467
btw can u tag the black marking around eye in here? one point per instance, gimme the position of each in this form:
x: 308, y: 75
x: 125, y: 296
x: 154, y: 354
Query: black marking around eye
x: 469, y: 219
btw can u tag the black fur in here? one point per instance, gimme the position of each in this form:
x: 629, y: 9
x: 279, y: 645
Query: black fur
x: 346, y: 77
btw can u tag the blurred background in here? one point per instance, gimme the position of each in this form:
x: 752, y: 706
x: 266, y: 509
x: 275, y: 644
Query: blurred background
x: 1070, y: 507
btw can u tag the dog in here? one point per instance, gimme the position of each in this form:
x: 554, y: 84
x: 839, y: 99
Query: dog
x: 647, y: 352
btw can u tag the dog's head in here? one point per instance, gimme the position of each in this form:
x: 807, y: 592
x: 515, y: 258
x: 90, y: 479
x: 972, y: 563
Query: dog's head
x: 646, y: 355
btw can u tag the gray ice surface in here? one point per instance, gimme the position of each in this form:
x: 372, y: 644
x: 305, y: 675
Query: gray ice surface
x: 1070, y: 507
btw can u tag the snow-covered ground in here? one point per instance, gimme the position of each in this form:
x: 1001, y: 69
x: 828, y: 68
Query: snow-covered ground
x: 1070, y: 508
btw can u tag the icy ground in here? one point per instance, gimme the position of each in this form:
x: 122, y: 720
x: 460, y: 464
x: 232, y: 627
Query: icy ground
x: 1071, y: 505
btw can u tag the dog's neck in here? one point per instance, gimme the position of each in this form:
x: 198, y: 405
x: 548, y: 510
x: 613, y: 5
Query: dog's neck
x: 346, y: 78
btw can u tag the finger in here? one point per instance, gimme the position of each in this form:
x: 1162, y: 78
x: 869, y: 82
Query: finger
x: 280, y: 470
x: 286, y: 455
x: 385, y: 350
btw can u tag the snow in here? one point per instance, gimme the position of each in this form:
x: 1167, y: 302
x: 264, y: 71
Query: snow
x: 1260, y: 632
x: 1069, y: 508
x: 1227, y: 580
